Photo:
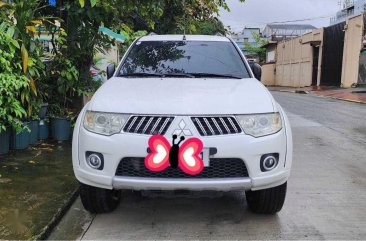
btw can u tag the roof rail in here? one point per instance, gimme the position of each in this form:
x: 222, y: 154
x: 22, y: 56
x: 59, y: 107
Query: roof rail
x: 151, y: 34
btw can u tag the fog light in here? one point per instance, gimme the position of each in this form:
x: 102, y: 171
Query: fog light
x: 95, y: 160
x: 269, y: 162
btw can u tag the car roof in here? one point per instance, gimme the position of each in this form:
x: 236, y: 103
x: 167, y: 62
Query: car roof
x: 207, y: 38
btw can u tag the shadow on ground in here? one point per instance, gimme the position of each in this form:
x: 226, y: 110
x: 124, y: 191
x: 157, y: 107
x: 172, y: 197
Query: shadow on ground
x: 34, y: 185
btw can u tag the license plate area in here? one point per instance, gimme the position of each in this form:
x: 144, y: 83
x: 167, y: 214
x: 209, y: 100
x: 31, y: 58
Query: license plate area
x: 206, y: 154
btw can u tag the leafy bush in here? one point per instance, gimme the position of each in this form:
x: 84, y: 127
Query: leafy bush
x: 63, y: 81
x: 12, y: 81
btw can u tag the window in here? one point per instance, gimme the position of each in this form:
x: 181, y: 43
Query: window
x: 184, y: 57
x: 46, y: 46
x: 271, y: 56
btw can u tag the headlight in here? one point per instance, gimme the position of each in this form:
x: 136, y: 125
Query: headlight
x: 260, y: 125
x: 104, y: 123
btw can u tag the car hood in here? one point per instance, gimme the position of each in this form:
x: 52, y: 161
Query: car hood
x: 182, y: 96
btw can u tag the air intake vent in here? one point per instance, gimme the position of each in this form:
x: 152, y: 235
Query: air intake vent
x: 219, y: 168
x: 148, y: 125
x: 216, y: 126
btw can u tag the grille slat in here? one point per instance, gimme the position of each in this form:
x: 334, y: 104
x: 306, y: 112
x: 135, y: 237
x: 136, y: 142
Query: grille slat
x: 233, y: 125
x: 209, y: 126
x: 156, y: 124
x: 138, y: 130
x: 224, y: 124
x: 148, y: 125
x: 201, y: 129
x: 215, y: 126
x: 219, y: 168
x: 162, y: 128
x: 131, y: 123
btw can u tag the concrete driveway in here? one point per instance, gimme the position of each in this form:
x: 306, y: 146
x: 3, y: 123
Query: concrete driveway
x: 326, y: 193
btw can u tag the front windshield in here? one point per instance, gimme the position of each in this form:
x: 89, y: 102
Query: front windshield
x: 184, y: 58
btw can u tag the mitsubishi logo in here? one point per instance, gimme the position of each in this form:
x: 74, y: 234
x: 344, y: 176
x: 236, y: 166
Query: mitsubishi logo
x: 182, y: 131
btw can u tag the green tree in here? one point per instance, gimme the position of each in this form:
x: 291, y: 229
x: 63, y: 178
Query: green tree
x: 210, y: 27
x: 257, y: 47
x: 19, y: 20
x: 12, y: 80
x: 186, y: 15
x: 82, y: 18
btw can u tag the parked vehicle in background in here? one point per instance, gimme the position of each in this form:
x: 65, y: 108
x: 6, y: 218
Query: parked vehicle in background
x: 97, y: 74
x: 182, y: 112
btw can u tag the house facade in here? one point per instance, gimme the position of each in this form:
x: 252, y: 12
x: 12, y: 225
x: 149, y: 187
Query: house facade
x: 350, y: 8
x: 247, y: 36
x: 331, y: 56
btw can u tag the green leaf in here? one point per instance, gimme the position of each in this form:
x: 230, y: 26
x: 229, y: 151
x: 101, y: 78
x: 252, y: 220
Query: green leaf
x: 68, y: 76
x: 33, y: 87
x: 11, y: 31
x: 82, y: 3
x: 15, y: 44
x: 24, y: 53
x: 93, y: 2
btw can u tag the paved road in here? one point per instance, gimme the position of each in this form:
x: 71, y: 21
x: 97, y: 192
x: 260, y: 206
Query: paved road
x: 326, y: 196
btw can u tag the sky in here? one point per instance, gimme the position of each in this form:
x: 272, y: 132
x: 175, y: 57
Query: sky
x: 257, y: 13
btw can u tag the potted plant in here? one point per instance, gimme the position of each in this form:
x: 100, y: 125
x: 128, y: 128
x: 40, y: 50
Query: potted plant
x: 60, y: 123
x: 43, y: 127
x: 4, y: 141
x: 43, y: 130
x: 20, y: 139
x: 22, y: 22
x: 63, y: 86
x: 34, y: 129
x: 12, y: 80
x: 35, y: 96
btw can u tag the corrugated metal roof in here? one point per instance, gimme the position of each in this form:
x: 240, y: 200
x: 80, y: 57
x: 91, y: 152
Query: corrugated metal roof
x: 291, y: 26
x: 112, y: 34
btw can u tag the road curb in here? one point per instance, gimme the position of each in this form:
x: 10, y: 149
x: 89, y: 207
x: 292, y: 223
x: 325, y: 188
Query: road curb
x: 322, y: 96
x: 46, y: 231
x: 303, y: 92
x: 337, y: 98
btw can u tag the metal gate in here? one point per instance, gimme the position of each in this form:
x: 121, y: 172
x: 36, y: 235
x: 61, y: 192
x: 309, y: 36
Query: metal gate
x: 362, y: 63
x: 332, y: 55
x: 362, y: 69
x: 315, y: 66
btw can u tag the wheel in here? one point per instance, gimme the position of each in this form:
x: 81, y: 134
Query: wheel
x: 267, y: 201
x: 99, y: 200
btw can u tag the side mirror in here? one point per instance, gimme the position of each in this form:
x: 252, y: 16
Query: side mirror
x: 257, y: 70
x: 110, y: 70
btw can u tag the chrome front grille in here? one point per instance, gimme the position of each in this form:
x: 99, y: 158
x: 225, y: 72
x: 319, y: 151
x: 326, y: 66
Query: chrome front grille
x: 148, y: 125
x: 216, y: 126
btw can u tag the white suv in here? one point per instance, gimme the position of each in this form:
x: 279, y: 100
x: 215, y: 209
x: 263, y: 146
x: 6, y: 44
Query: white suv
x: 182, y: 113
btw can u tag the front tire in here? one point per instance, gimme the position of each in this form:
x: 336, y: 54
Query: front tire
x: 267, y: 201
x: 99, y: 200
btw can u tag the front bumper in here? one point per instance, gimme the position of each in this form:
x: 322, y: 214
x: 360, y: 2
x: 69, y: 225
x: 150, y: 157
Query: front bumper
x: 227, y: 184
x: 179, y: 184
x: 219, y: 184
x: 241, y: 146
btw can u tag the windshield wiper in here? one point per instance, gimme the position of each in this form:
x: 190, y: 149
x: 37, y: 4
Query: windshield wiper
x: 141, y: 75
x: 179, y: 75
x: 201, y: 75
x: 158, y: 75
